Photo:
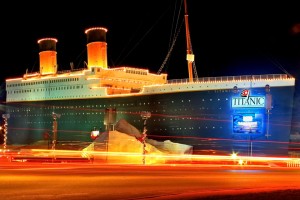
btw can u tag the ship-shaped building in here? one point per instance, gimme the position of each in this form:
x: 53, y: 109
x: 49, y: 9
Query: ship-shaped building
x: 210, y: 113
x: 248, y: 114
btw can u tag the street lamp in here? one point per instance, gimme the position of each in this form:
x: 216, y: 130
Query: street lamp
x: 145, y: 115
x: 5, y: 117
x: 55, y: 116
x: 268, y: 108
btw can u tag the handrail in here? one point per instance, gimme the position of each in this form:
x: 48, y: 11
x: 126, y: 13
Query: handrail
x: 232, y: 78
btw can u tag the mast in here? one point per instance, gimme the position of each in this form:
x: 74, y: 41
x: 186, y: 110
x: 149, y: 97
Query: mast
x: 189, y: 56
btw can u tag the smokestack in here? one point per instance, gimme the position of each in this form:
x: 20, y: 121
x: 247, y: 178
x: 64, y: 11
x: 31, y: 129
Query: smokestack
x: 47, y: 52
x: 96, y: 47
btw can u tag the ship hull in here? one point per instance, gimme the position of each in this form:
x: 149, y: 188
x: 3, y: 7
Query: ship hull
x: 203, y: 119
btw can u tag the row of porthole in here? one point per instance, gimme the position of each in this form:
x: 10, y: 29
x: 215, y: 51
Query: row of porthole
x: 101, y: 122
x: 89, y: 106
x: 44, y: 89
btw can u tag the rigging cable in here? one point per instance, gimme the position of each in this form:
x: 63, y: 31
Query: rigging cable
x: 194, y: 64
x: 276, y: 63
x: 173, y: 44
x: 174, y: 38
x: 144, y: 36
x: 170, y: 50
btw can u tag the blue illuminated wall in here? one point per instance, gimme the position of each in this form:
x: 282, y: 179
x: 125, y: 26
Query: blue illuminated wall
x: 247, y: 123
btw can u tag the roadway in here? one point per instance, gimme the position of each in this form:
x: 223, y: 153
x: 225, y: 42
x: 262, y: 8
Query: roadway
x: 36, y: 180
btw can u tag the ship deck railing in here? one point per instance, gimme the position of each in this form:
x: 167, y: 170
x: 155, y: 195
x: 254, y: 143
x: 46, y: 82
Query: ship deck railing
x: 232, y: 78
x: 70, y: 70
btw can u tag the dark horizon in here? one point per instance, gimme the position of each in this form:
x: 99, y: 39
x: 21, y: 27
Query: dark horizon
x: 227, y: 39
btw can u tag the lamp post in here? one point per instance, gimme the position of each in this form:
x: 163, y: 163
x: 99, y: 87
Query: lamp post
x: 55, y: 116
x: 145, y: 115
x: 268, y: 108
x: 5, y: 117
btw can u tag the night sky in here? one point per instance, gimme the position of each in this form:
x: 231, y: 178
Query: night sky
x: 228, y: 38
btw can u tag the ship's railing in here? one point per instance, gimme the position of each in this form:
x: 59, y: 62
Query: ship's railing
x: 68, y: 71
x: 232, y: 78
x: 58, y: 72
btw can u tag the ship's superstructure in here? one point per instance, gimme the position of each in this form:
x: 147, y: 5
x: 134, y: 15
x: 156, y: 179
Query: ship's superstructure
x: 231, y: 113
x: 97, y: 80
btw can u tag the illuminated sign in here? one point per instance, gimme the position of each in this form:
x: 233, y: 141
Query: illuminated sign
x: 247, y: 118
x: 247, y: 101
x: 244, y: 102
x: 247, y: 123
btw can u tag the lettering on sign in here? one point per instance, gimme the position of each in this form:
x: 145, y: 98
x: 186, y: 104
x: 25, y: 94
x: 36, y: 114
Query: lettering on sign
x: 247, y: 101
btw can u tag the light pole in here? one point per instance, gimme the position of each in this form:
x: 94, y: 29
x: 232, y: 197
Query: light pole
x: 5, y: 117
x: 55, y: 116
x: 145, y: 115
x: 268, y: 108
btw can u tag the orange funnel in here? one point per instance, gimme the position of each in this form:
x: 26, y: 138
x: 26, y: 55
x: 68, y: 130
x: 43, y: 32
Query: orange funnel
x: 96, y: 47
x: 47, y: 52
